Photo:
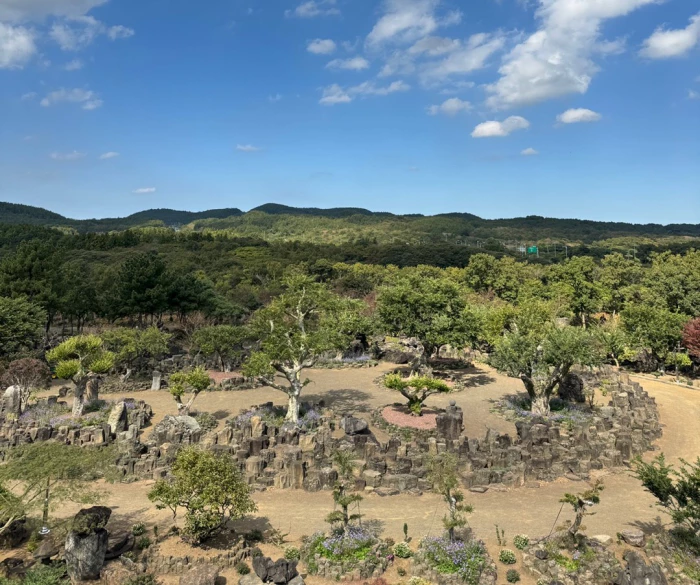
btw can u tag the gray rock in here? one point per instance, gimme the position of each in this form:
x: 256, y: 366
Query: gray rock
x: 353, y: 426
x: 47, y: 549
x: 638, y: 573
x: 88, y: 520
x: 279, y: 572
x: 298, y: 580
x: 157, y: 380
x: 13, y: 400
x: 633, y: 537
x: 200, y: 575
x: 604, y: 539
x: 118, y: 420
x: 85, y: 554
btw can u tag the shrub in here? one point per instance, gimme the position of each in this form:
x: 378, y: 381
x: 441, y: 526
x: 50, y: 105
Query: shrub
x: 512, y: 576
x: 143, y: 543
x: 292, y: 553
x: 148, y: 579
x: 207, y: 421
x: 507, y: 557
x: 467, y: 559
x: 45, y: 575
x: 418, y: 581
x: 402, y: 550
x: 242, y: 568
x: 401, y: 571
x: 520, y: 541
x: 138, y: 529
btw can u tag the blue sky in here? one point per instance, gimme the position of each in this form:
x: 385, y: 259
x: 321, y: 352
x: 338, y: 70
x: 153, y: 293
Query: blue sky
x: 562, y: 108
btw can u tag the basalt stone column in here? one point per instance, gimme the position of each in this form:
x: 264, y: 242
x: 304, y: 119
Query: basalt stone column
x: 450, y: 423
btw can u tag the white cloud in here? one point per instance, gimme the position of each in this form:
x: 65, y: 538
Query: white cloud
x: 274, y: 98
x: 321, y: 46
x: 471, y: 57
x: 28, y: 96
x: 65, y: 156
x: 335, y: 94
x: 529, y: 152
x: 352, y: 64
x: 665, y: 43
x: 108, y: 155
x: 247, y: 148
x: 89, y: 99
x: 144, y: 190
x: 36, y: 10
x: 74, y: 65
x: 494, y: 128
x: 76, y: 33
x: 407, y: 21
x: 16, y: 46
x: 120, y: 32
x: 451, y: 107
x: 556, y: 60
x: 313, y: 8
x: 434, y: 46
x: 693, y: 95
x: 576, y: 115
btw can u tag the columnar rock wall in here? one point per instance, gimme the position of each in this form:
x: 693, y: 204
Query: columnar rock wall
x: 287, y: 457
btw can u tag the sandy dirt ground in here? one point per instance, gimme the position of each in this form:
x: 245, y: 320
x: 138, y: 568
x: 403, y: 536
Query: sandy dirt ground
x: 526, y: 510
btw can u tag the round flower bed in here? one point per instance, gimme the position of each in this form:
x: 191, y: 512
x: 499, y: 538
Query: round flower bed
x: 357, y: 552
x: 452, y: 562
x: 400, y: 416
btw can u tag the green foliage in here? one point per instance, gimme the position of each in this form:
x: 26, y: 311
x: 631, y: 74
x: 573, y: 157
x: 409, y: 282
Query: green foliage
x: 677, y: 490
x: 242, y: 568
x: 21, y: 323
x: 512, y: 576
x: 129, y: 344
x: 45, y: 575
x: 225, y: 342
x: 147, y: 579
x: 291, y: 553
x: 80, y: 356
x: 209, y: 487
x: 143, y: 543
x: 194, y: 381
x: 415, y: 389
x: 654, y: 329
x: 402, y: 550
x: 138, y: 529
x: 344, y: 461
x: 343, y: 518
x: 507, y: 557
x: 581, y: 503
x: 520, y: 541
x: 442, y: 472
x: 207, y: 421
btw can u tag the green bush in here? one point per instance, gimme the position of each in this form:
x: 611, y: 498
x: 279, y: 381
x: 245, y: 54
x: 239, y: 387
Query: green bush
x: 292, y: 554
x: 402, y: 550
x: 138, y: 529
x: 242, y: 568
x: 520, y: 541
x: 45, y: 575
x: 507, y: 557
x: 512, y: 576
x: 207, y: 421
x: 148, y: 579
x: 401, y: 571
x: 143, y: 543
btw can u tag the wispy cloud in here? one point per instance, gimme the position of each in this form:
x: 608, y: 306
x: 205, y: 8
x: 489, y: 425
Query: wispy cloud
x: 313, y: 8
x: 89, y: 99
x: 77, y: 32
x: 351, y: 64
x: 144, y: 190
x: 664, y: 43
x: 108, y: 155
x: 450, y: 107
x: 17, y: 46
x: 67, y: 156
x: 335, y: 94
x: 248, y: 148
x: 321, y: 46
x: 578, y: 115
x: 529, y: 152
x: 74, y: 65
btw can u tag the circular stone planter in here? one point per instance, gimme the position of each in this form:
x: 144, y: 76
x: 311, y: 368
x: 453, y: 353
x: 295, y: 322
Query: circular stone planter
x: 399, y: 416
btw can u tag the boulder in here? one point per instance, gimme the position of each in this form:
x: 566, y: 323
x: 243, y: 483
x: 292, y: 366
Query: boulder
x: 571, y: 388
x: 200, y: 575
x: 279, y: 572
x: 250, y: 579
x: 633, y: 537
x: 353, y: 426
x: 47, y: 549
x: 604, y: 539
x: 118, y: 420
x: 13, y: 400
x: 298, y: 580
x: 85, y: 554
x: 15, y: 534
x: 638, y: 573
x: 402, y: 350
x: 12, y: 567
x: 157, y: 380
x: 88, y: 520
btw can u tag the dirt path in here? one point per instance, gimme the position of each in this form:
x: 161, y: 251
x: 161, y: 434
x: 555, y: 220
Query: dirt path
x: 523, y: 510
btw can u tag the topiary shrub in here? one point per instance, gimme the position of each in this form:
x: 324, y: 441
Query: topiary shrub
x: 292, y: 553
x: 520, y: 541
x: 507, y: 557
x: 242, y: 568
x: 402, y: 550
x: 512, y: 576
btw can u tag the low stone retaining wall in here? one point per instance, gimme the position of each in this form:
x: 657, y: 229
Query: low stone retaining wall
x: 161, y: 564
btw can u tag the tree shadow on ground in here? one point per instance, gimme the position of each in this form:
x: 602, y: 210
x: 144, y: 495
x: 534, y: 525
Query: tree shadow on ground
x: 650, y: 527
x: 345, y: 401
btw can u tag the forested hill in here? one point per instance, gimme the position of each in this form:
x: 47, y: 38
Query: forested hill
x: 342, y: 225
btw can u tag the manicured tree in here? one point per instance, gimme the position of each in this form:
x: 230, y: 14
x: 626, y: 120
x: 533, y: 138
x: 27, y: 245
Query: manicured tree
x: 442, y: 472
x: 28, y: 375
x: 431, y: 308
x: 41, y: 475
x: 415, y: 389
x: 82, y: 359
x: 210, y: 488
x: 294, y: 330
x: 581, y: 503
x: 691, y: 337
x: 678, y: 491
x: 195, y: 381
x: 542, y: 361
x: 21, y: 324
x: 130, y: 345
x: 344, y: 500
x: 225, y: 342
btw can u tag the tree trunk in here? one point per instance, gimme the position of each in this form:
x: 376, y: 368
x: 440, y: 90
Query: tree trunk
x: 79, y: 397
x: 93, y: 388
x: 574, y: 528
x: 293, y: 406
x: 540, y: 404
x: 127, y: 375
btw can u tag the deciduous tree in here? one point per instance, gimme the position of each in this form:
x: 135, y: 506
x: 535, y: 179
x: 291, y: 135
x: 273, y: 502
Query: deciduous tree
x: 194, y: 381
x: 29, y: 375
x: 225, y: 342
